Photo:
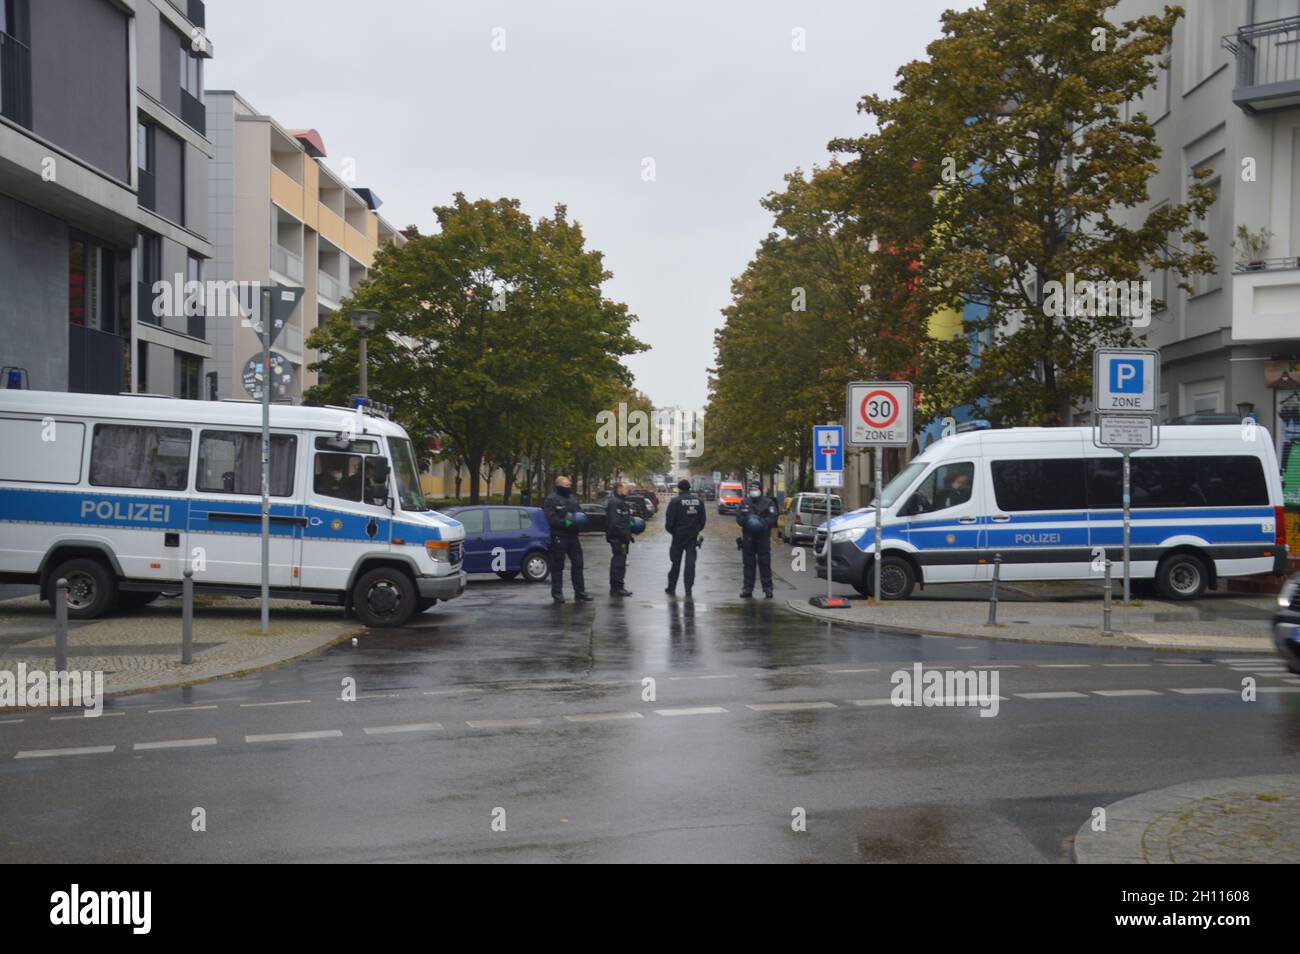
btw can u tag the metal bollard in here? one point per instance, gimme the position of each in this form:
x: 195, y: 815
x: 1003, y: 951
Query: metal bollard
x: 187, y: 618
x: 61, y: 625
x: 993, y: 598
x: 1105, y: 605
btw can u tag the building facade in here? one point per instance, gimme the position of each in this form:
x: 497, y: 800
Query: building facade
x: 279, y: 216
x: 103, y: 171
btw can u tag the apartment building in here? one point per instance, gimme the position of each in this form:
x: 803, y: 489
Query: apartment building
x: 280, y: 216
x: 1229, y: 101
x: 103, y: 171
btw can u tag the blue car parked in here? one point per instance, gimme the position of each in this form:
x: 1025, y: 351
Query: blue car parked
x: 521, y: 534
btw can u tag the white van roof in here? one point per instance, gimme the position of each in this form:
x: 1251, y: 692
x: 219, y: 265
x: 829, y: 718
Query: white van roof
x: 1180, y: 436
x: 134, y: 407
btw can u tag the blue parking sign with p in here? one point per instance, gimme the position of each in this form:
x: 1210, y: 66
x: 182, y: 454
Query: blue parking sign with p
x: 1126, y: 376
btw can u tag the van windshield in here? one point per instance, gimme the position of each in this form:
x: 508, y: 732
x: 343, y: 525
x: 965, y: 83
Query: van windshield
x: 409, y: 493
x: 896, y: 487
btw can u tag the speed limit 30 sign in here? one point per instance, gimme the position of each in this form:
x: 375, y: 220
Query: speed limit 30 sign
x: 880, y: 414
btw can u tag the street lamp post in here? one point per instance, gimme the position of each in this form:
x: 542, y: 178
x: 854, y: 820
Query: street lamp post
x: 363, y: 322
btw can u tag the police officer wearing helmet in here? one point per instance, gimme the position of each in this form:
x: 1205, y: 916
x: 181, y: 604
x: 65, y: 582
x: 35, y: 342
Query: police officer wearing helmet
x: 618, y: 532
x: 684, y: 519
x: 756, y: 516
x: 561, y: 508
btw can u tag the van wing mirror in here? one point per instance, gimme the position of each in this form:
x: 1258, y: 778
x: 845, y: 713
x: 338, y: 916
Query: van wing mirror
x: 378, y: 490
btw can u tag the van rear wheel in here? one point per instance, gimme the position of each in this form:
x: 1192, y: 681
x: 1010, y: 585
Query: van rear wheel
x: 384, y: 596
x: 1182, y: 576
x: 91, y: 587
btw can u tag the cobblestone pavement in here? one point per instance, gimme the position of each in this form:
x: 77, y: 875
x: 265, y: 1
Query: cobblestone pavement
x: 141, y: 650
x: 1247, y: 820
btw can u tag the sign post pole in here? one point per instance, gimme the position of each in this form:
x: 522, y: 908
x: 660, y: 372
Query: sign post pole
x: 1126, y: 498
x: 266, y: 460
x: 828, y: 471
x: 880, y: 497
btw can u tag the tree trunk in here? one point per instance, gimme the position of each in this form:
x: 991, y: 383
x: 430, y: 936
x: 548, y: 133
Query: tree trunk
x: 475, y: 462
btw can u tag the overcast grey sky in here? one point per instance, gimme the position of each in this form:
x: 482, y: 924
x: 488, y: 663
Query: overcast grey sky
x: 413, y: 92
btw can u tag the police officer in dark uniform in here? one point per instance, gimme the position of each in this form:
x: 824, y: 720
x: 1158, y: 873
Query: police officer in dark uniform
x: 559, y: 507
x: 757, y: 547
x: 685, y: 521
x: 618, y: 532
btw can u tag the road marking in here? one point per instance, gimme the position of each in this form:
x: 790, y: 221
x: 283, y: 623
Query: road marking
x: 1051, y: 695
x: 449, y: 692
x: 377, y: 695
x: 1166, y: 662
x: 1063, y: 665
x: 180, y: 709
x: 789, y: 706
x: 85, y: 715
x: 1278, y: 689
x: 86, y: 750
x: 413, y: 727
x: 1248, y: 662
x: 602, y: 716
x: 1126, y: 665
x: 294, y: 736
x: 502, y: 723
x: 175, y: 744
x: 286, y: 702
x: 681, y: 678
x: 525, y: 687
x: 9, y: 721
x: 852, y: 670
x: 1125, y: 692
x: 697, y: 710
x: 1205, y: 691
x: 871, y: 702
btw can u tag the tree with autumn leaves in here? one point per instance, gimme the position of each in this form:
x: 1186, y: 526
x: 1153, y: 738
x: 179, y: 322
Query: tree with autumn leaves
x: 1015, y: 156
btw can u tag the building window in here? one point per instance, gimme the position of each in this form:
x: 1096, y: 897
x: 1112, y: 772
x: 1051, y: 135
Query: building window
x: 189, y: 372
x: 144, y: 146
x: 92, y: 276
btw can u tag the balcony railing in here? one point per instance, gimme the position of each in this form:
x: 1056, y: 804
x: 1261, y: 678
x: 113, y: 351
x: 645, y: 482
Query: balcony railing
x: 329, y: 286
x: 194, y: 113
x: 1268, y: 64
x: 286, y: 263
x: 148, y: 193
x: 15, y: 81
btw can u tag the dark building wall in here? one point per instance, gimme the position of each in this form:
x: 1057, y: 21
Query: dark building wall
x: 171, y: 43
x: 169, y: 176
x: 81, y: 81
x: 34, y: 305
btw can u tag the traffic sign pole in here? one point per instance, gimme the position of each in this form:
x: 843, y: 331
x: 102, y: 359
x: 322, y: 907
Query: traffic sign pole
x: 266, y: 460
x: 1127, y: 488
x: 880, y: 500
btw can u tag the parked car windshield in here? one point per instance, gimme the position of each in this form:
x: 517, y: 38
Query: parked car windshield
x: 408, y: 475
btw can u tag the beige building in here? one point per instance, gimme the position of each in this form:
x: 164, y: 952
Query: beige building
x: 279, y: 216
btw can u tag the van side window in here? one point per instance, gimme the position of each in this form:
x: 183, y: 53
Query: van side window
x: 1179, y: 482
x: 338, y: 475
x: 230, y: 462
x: 1056, y: 484
x: 144, y: 458
x: 948, y: 485
x: 41, y: 451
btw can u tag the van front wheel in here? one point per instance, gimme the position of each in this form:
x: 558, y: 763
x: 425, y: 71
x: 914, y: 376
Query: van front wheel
x: 1182, y: 576
x: 384, y: 596
x: 896, y: 578
x: 91, y: 588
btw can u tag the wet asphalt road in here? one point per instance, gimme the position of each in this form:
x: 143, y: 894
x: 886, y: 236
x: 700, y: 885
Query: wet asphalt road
x: 501, y: 701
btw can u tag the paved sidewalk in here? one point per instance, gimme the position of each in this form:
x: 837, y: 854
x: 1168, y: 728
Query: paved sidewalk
x: 141, y: 651
x: 1248, y: 820
x: 1224, y: 624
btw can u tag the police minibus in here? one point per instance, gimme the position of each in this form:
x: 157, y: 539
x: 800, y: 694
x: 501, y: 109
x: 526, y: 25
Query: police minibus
x: 121, y: 494
x: 1205, y: 504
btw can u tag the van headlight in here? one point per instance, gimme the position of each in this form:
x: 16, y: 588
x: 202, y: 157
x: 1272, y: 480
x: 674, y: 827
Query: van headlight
x: 848, y: 536
x: 1287, y: 593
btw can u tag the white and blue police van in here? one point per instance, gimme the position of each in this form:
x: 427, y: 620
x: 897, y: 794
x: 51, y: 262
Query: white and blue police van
x: 119, y: 495
x: 1204, y: 505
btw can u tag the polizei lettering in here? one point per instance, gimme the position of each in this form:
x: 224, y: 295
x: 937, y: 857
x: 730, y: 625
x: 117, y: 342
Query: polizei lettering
x: 126, y: 511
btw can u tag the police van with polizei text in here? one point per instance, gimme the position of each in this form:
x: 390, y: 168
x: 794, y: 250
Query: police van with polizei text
x: 1204, y: 505
x: 119, y: 495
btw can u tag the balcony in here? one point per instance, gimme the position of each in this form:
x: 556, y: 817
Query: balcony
x: 1268, y: 64
x: 148, y: 192
x: 286, y: 263
x: 1266, y: 301
x: 194, y: 113
x: 327, y: 286
x: 15, y: 81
